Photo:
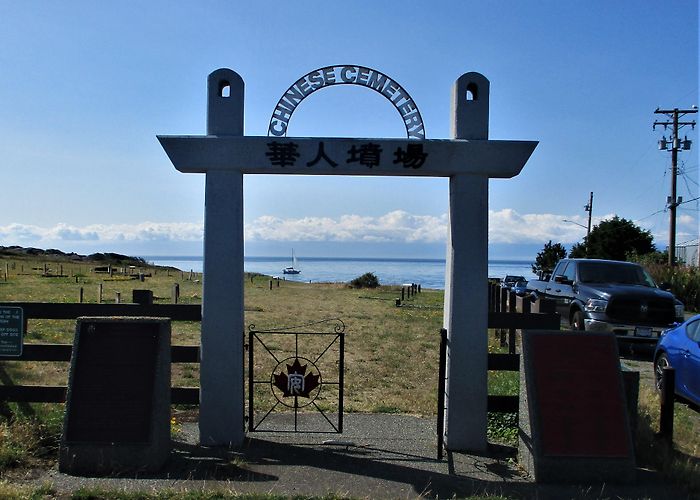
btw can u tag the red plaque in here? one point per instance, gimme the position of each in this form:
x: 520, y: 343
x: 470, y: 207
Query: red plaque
x: 579, y: 396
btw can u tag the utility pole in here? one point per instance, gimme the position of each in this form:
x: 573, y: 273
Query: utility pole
x: 589, y: 208
x: 674, y: 144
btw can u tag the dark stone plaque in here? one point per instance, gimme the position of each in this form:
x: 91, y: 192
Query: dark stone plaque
x: 578, y: 394
x: 118, y: 402
x: 112, y: 392
x: 574, y: 424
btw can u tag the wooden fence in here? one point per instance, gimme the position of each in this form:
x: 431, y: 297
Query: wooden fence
x: 500, y: 320
x: 62, y: 352
x: 507, y: 313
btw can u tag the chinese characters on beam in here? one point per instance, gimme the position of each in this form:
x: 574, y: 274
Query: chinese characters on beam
x: 285, y: 154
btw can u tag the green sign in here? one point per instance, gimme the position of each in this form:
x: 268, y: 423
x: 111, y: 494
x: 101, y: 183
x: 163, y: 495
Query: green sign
x: 11, y: 331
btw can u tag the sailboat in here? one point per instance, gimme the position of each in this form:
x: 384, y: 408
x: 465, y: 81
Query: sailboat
x: 292, y: 269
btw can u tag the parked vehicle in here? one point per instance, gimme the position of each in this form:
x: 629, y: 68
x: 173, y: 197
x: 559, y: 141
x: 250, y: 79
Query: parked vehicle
x: 610, y: 296
x: 680, y: 349
x: 510, y: 280
x: 520, y: 288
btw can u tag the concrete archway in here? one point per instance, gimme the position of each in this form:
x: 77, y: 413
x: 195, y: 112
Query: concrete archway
x: 469, y: 159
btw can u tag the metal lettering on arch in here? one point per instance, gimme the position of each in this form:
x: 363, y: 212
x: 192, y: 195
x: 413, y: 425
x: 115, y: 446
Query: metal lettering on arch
x: 346, y: 75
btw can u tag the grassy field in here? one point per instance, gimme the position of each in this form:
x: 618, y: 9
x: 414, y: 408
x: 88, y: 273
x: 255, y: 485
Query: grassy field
x: 385, y: 346
x: 391, y: 354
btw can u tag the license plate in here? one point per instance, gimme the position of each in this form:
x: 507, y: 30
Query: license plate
x: 642, y: 331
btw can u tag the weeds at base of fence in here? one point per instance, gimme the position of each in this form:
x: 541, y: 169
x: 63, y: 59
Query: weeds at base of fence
x: 679, y: 463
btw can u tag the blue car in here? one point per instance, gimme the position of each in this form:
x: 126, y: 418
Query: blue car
x: 520, y: 288
x: 679, y: 348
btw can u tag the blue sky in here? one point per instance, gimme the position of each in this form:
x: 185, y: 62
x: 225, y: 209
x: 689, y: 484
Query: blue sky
x: 86, y: 86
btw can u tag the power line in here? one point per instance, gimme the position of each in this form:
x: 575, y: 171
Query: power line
x: 688, y: 201
x: 651, y: 215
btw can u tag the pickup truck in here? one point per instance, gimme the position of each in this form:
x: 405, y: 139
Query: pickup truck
x: 610, y: 296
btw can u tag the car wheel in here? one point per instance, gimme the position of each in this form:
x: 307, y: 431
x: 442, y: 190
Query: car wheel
x: 577, y: 321
x: 659, y: 365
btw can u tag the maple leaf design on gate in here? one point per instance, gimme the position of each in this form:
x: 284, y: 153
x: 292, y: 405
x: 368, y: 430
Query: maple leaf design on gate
x: 296, y: 382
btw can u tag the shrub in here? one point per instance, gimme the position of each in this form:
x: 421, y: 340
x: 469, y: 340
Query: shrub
x: 684, y: 281
x: 367, y: 280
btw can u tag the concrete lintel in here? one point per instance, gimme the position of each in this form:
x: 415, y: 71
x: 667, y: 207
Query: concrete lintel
x: 253, y: 155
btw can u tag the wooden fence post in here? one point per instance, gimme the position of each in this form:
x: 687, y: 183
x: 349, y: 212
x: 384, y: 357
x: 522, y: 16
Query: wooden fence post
x: 503, y: 307
x: 99, y: 293
x: 441, y: 392
x: 175, y: 293
x: 512, y: 298
x: 668, y: 386
x: 80, y: 295
x: 143, y: 297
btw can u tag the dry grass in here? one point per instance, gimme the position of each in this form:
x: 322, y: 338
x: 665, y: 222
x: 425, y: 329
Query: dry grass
x: 682, y: 463
x: 389, y: 350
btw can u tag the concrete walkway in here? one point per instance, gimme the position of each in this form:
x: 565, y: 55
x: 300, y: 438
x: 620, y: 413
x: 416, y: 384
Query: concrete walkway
x: 377, y: 456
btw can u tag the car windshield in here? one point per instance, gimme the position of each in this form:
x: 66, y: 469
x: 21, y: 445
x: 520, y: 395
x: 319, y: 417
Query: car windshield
x: 610, y: 272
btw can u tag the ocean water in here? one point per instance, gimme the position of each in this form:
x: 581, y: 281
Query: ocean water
x: 429, y: 273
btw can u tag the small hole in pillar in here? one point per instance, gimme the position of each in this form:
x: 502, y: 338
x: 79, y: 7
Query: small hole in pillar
x: 472, y: 92
x: 224, y: 89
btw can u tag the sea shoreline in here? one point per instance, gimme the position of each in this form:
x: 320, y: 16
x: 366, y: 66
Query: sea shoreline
x: 430, y: 273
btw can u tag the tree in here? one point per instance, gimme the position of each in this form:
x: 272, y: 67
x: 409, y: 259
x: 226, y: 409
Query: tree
x: 615, y: 239
x: 548, y: 258
x: 578, y: 251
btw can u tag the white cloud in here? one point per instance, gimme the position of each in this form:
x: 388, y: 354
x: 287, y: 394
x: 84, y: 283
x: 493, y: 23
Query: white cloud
x: 393, y: 226
x: 509, y: 226
x: 144, y: 231
x: 687, y: 220
x: 505, y: 226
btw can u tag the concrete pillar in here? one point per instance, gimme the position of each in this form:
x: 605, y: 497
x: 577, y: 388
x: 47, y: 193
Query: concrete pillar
x: 221, y: 369
x: 466, y: 303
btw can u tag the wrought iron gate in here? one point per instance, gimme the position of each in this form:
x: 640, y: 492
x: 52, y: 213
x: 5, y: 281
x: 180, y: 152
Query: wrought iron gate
x: 295, y: 378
